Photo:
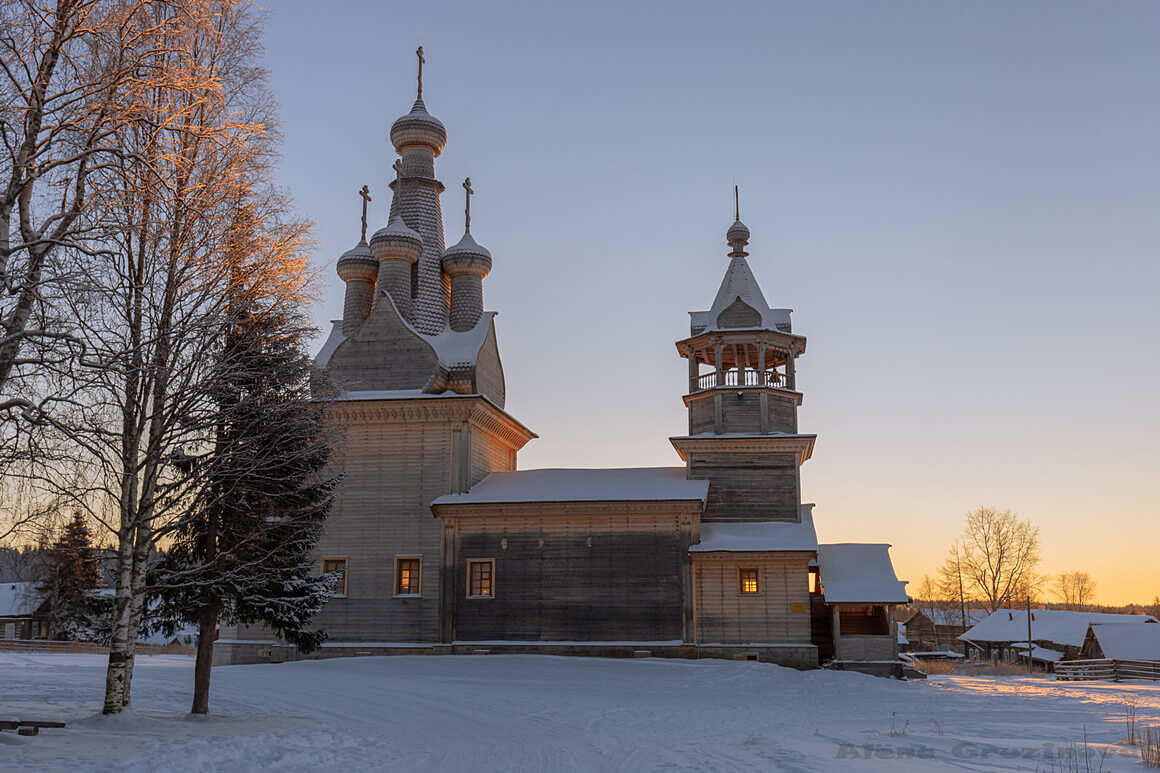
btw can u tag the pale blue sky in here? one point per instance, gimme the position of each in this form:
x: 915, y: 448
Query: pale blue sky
x: 960, y: 201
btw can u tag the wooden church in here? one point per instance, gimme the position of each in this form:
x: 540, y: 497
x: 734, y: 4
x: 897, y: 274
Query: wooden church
x: 446, y: 547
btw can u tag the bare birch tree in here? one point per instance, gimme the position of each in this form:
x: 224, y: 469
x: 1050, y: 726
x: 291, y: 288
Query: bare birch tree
x: 994, y: 559
x: 1075, y: 589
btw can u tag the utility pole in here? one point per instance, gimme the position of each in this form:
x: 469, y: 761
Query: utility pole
x: 1029, y: 644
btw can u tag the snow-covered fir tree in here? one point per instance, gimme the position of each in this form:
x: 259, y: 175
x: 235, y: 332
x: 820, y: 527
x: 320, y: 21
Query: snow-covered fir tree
x: 243, y: 554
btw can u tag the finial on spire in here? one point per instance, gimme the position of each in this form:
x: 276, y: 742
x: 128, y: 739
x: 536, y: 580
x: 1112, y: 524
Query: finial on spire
x: 365, y: 193
x: 467, y: 208
x: 419, y: 53
x: 398, y: 167
x: 736, y: 203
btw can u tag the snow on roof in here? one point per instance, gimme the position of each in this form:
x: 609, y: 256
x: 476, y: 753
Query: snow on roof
x: 579, y: 485
x: 1038, y: 653
x: 764, y: 536
x: 19, y: 599
x: 1121, y: 641
x: 332, y: 341
x: 853, y: 573
x: 460, y: 348
x: 1060, y: 626
x: 451, y: 347
x: 739, y: 283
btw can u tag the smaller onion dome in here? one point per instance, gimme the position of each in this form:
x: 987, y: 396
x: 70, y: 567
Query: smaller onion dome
x: 396, y: 240
x: 358, y: 263
x: 738, y: 237
x: 467, y: 257
x: 419, y: 128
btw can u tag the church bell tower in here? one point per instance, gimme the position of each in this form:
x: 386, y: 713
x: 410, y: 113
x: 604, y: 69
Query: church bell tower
x: 743, y: 399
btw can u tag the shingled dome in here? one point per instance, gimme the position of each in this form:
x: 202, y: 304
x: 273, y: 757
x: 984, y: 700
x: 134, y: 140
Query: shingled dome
x: 419, y: 128
x: 396, y: 236
x: 467, y: 255
x: 737, y: 235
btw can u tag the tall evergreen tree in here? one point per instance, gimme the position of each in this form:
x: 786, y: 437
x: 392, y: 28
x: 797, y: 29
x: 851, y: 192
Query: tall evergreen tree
x: 72, y: 573
x: 244, y: 553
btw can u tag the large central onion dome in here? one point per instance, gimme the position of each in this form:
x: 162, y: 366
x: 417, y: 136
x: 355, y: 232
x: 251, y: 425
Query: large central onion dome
x: 419, y: 128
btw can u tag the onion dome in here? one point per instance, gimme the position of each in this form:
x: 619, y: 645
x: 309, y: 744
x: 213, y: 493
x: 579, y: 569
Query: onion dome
x: 738, y: 237
x: 358, y: 263
x: 467, y: 257
x: 396, y: 240
x: 419, y: 128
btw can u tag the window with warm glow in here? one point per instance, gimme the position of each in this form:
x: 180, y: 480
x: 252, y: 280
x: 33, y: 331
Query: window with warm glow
x: 336, y: 565
x: 408, y: 571
x: 748, y: 581
x: 481, y: 578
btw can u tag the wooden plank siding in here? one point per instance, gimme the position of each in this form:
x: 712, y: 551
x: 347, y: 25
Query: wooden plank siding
x: 398, y: 456
x: 596, y: 576
x: 748, y: 486
x: 724, y: 615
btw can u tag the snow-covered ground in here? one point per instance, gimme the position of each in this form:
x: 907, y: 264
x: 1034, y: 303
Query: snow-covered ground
x: 539, y: 713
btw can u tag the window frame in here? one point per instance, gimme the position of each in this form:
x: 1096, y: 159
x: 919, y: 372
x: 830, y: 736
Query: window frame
x: 399, y: 559
x: 339, y: 591
x: 741, y: 572
x: 490, y: 562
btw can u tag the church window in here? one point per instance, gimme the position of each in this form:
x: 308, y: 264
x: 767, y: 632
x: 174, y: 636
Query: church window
x: 334, y: 564
x: 481, y: 578
x: 408, y: 575
x: 748, y: 582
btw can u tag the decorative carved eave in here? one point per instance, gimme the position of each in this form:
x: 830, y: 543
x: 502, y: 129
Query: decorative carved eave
x: 571, y: 509
x: 802, y: 445
x: 475, y: 409
x: 773, y: 338
x: 703, y: 394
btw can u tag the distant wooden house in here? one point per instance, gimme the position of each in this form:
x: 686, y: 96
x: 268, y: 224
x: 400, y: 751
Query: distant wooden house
x: 23, y: 611
x: 1055, y: 634
x: 939, y: 628
x: 1121, y: 641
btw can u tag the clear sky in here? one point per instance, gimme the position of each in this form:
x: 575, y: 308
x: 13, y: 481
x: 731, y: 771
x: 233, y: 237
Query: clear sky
x: 961, y: 201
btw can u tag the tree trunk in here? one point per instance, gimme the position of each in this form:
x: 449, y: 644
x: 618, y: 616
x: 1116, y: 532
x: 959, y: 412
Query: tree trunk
x: 119, y: 652
x: 206, y: 630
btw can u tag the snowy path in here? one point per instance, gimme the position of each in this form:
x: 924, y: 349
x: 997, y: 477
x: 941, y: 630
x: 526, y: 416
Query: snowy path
x: 536, y: 713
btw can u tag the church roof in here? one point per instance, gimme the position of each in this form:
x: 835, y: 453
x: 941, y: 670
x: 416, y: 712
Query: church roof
x: 853, y: 573
x: 644, y: 484
x: 740, y: 286
x: 451, y: 347
x: 763, y: 537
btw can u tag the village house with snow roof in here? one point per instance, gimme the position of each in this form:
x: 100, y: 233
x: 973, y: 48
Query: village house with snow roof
x: 1053, y: 634
x: 446, y: 547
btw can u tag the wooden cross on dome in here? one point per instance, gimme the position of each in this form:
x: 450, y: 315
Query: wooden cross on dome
x: 419, y: 53
x: 365, y: 193
x: 467, y: 209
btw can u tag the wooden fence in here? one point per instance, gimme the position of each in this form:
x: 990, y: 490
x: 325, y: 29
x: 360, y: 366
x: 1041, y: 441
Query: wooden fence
x: 1108, y: 669
x: 44, y: 645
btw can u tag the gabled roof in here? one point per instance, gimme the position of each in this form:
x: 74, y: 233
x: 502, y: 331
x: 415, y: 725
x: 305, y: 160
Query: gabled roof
x: 19, y: 599
x: 633, y: 484
x: 1121, y: 641
x: 761, y: 537
x: 453, y: 348
x: 1060, y: 626
x: 950, y: 615
x: 739, y: 283
x: 853, y: 573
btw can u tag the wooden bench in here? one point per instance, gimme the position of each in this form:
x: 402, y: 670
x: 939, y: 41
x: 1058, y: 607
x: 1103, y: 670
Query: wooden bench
x: 26, y: 727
